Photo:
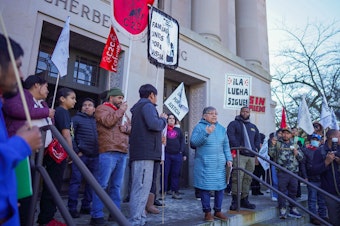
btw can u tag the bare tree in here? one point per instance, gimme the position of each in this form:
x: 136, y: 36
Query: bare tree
x: 309, y: 64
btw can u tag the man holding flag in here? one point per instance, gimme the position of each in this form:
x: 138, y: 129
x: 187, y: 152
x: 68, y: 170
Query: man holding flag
x: 243, y: 133
x: 145, y: 149
x: 18, y: 147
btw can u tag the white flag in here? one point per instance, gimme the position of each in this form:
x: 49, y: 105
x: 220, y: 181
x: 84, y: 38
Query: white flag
x: 61, y: 51
x: 264, y: 153
x: 334, y: 124
x: 326, y: 114
x: 304, y: 118
x: 177, y: 102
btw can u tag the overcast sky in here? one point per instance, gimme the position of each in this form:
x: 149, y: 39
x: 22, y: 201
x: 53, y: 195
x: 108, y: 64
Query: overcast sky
x: 296, y: 14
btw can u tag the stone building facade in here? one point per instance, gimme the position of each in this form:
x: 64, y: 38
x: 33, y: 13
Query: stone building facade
x: 222, y: 44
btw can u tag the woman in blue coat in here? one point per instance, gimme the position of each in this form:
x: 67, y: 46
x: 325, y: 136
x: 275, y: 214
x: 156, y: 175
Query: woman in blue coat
x: 211, y: 143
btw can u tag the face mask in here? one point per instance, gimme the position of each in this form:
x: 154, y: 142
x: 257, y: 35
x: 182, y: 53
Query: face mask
x: 314, y: 143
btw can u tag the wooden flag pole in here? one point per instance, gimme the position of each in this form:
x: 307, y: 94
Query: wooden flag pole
x: 127, y: 78
x: 16, y: 72
x: 55, y: 90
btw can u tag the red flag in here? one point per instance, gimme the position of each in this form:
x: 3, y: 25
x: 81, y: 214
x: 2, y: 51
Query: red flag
x: 111, y: 52
x: 131, y: 17
x: 283, y: 119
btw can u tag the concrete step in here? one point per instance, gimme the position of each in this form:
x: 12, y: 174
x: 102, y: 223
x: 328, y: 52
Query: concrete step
x: 188, y: 212
x: 303, y: 221
x: 265, y: 214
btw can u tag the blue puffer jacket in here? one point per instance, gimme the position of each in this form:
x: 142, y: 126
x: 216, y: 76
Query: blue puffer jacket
x: 212, y: 154
x: 85, y: 134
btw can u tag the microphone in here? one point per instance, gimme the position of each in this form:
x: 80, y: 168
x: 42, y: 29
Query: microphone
x: 334, y: 144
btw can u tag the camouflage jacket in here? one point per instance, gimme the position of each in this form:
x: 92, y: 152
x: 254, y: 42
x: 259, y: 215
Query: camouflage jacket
x: 283, y: 155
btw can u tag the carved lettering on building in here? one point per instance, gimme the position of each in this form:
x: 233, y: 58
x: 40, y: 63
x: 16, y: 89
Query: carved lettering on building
x: 184, y: 55
x: 82, y: 10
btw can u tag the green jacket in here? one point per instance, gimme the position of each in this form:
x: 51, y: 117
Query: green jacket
x: 283, y: 155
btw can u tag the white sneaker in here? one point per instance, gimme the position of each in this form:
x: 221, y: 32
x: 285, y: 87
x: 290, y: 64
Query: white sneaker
x: 283, y: 213
x: 274, y: 199
x: 294, y: 213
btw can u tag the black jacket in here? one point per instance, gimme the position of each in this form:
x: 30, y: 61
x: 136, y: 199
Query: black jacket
x: 327, y: 174
x: 85, y: 134
x: 235, y: 135
x: 175, y: 142
x: 306, y: 164
x: 146, y: 132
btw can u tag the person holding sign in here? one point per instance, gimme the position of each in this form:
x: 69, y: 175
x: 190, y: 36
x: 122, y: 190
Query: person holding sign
x: 174, y: 157
x: 212, y: 155
x: 145, y: 149
x: 35, y: 91
x: 19, y: 146
x: 243, y: 133
x: 287, y: 154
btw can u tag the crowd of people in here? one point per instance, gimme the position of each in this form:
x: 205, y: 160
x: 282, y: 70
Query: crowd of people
x: 104, y: 137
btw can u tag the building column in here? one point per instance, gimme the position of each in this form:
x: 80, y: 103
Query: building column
x: 206, y: 19
x: 228, y: 25
x: 247, y: 31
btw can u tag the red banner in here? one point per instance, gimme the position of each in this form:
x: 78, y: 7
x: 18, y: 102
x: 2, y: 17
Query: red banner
x: 131, y: 16
x: 111, y: 52
x: 283, y: 119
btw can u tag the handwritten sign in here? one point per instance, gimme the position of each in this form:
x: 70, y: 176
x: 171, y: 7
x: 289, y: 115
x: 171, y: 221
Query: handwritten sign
x: 237, y: 91
x: 257, y: 104
x: 163, y: 40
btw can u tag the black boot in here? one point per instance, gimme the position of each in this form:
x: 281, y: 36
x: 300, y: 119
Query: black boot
x: 246, y: 204
x: 233, y: 205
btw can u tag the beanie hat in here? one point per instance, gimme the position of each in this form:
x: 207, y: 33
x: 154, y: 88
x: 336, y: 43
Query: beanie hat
x: 115, y: 92
x: 88, y: 99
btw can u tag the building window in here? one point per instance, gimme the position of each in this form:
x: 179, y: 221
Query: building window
x: 86, y: 71
x: 45, y: 63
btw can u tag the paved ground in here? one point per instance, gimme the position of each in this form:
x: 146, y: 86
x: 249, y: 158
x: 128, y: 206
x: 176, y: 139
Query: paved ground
x: 184, y: 212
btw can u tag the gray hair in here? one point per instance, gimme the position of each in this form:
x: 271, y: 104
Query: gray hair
x: 208, y: 109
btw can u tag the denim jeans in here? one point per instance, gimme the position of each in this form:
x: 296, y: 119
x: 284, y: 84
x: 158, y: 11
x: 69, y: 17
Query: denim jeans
x: 75, y: 182
x: 205, y: 200
x: 274, y: 180
x: 172, y: 171
x: 315, y: 199
x: 110, y: 172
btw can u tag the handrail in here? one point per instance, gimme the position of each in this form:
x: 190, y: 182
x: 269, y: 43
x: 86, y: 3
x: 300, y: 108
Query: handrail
x: 90, y: 179
x: 274, y: 189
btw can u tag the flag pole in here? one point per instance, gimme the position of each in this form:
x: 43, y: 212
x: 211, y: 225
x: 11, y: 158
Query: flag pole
x: 164, y: 132
x: 55, y: 90
x: 128, y: 69
x: 16, y: 72
x: 127, y: 78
